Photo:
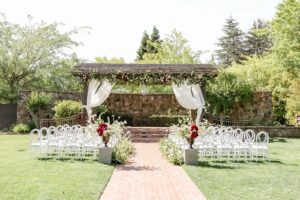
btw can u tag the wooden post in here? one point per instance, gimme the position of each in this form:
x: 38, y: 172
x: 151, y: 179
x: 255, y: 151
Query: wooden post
x: 204, y: 96
x: 193, y: 115
x: 84, y: 100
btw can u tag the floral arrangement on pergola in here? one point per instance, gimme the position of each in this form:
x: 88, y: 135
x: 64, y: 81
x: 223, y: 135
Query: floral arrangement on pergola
x: 150, y: 74
x: 145, y: 73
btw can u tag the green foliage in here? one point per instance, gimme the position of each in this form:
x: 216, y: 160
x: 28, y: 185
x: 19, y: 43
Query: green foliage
x: 122, y: 150
x: 149, y: 44
x: 59, y: 78
x: 165, y: 120
x: 101, y: 110
x: 174, y: 49
x: 67, y: 108
x: 258, y: 40
x: 231, y: 44
x: 113, y: 60
x: 27, y: 49
x: 38, y: 102
x: 285, y: 34
x: 21, y: 128
x: 171, y: 151
x: 225, y: 90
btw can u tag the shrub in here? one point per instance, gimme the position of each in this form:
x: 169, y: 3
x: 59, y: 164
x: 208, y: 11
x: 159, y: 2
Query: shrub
x: 67, y: 108
x: 171, y: 151
x: 21, y: 128
x: 37, y: 103
x: 226, y: 89
x: 122, y: 150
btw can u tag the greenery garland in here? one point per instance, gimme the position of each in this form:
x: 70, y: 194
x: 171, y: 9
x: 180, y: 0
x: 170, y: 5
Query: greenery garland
x: 148, y: 78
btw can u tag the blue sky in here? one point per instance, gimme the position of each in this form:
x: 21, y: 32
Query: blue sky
x: 118, y: 25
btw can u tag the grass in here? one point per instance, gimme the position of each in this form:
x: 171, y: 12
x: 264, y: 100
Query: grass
x: 279, y: 179
x: 24, y: 176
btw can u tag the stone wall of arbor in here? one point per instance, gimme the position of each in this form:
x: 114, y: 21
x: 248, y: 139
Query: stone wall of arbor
x: 142, y: 107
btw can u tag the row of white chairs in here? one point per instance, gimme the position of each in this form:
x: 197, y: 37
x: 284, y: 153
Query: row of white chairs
x: 68, y: 141
x: 226, y: 143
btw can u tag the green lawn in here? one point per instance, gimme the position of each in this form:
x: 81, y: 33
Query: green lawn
x: 24, y: 176
x: 279, y: 179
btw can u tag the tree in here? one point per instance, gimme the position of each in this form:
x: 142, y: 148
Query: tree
x: 144, y: 47
x: 231, y: 44
x: 58, y: 78
x: 155, y: 41
x: 174, y: 49
x: 149, y: 44
x: 26, y: 49
x: 258, y: 39
x: 285, y: 34
x: 113, y: 60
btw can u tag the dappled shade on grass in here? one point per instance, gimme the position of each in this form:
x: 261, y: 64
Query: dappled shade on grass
x: 279, y: 179
x: 24, y: 176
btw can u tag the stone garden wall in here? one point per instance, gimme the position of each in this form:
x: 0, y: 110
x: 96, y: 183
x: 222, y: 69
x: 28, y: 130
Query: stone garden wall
x: 24, y: 116
x: 141, y: 107
x: 259, y: 111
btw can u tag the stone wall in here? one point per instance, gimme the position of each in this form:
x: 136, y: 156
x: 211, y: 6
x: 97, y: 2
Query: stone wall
x: 142, y: 107
x: 258, y: 111
x: 23, y: 114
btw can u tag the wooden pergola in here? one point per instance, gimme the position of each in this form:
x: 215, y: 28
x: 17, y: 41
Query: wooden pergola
x: 88, y: 70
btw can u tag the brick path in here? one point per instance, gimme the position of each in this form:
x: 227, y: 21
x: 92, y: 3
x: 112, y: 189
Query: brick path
x: 148, y: 176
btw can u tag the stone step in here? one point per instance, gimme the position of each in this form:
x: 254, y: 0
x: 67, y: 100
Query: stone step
x: 147, y: 134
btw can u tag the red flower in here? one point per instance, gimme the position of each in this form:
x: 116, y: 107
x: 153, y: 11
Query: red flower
x: 101, y: 128
x: 194, y: 134
x: 194, y: 127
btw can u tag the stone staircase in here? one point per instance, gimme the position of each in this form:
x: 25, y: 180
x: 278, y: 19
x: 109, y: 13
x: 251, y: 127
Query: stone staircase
x: 148, y: 134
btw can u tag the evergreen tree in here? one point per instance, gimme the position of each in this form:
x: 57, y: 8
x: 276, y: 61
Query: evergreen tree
x: 258, y: 39
x: 155, y: 41
x: 232, y: 47
x: 149, y: 44
x: 144, y: 48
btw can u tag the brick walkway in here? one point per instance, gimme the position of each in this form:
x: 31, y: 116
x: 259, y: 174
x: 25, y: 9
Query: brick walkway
x: 148, y: 176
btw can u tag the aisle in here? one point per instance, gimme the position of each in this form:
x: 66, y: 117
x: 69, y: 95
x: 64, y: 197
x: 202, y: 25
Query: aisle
x: 148, y: 176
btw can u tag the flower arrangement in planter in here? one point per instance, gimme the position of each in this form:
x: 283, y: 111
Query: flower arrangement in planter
x: 189, y: 132
x: 193, y: 134
x: 103, y: 132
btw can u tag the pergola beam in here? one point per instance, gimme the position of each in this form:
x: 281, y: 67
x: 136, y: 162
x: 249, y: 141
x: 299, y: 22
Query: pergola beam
x: 100, y: 68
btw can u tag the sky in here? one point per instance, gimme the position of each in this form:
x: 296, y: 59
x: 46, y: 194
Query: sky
x: 117, y: 26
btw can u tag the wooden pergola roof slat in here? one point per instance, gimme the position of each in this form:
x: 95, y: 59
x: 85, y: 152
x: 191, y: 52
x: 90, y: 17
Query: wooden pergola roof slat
x: 100, y: 68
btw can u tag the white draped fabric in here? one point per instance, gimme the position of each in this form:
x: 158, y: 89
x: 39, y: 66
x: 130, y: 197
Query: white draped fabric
x: 190, y: 97
x: 98, y: 92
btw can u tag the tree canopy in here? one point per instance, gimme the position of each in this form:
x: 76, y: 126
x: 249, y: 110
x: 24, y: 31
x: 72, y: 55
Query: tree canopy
x: 231, y: 45
x: 26, y: 49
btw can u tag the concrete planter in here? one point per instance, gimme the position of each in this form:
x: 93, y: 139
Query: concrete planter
x: 191, y: 156
x: 105, y: 154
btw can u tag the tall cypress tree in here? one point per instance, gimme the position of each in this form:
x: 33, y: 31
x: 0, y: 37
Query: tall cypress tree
x: 155, y: 41
x: 149, y: 44
x: 144, y: 48
x: 258, y: 39
x: 231, y: 44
